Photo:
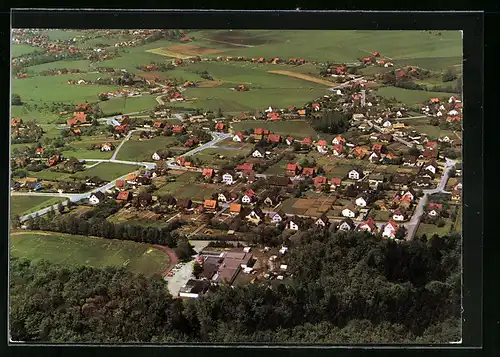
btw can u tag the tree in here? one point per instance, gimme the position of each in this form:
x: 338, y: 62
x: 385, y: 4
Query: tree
x: 414, y: 151
x: 197, y: 270
x: 60, y: 208
x: 449, y: 75
x: 16, y: 99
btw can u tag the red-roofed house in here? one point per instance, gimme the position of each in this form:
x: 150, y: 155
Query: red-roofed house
x: 321, y: 147
x: 315, y: 106
x: 400, y: 74
x: 71, y: 122
x: 338, y: 140
x: 120, y: 183
x: 80, y: 117
x: 220, y: 126
x: 245, y: 167
x: 272, y: 138
x: 306, y: 141
x: 320, y: 182
x: 239, y: 137
x: 337, y: 150
x: 377, y: 148
x: 177, y: 129
x: 248, y: 196
x: 289, y: 140
x: 124, y: 196
x: 431, y: 145
x: 308, y: 171
x: 293, y: 169
x: 208, y: 173
x: 273, y: 116
x: 39, y: 151
x: 335, y: 183
x: 369, y: 226
x: 390, y: 229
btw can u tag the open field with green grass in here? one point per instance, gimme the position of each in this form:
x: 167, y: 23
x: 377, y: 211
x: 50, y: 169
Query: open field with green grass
x: 83, y: 65
x: 438, y: 64
x: 431, y: 229
x: 129, y: 105
x: 408, y: 96
x: 107, y: 171
x: 41, y: 117
x: 57, y: 89
x: 142, y: 150
x: 343, y: 46
x: 95, y: 252
x: 21, y: 205
x: 49, y: 175
x: 195, y: 191
x: 21, y: 49
x: 422, y: 125
x: 211, y: 157
x: 296, y: 128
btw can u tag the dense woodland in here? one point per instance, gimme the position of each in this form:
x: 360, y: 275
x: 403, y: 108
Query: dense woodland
x: 346, y: 288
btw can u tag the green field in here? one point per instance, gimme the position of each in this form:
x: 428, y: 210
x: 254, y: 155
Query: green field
x: 431, y: 229
x: 21, y: 49
x: 136, y: 150
x: 82, y: 65
x: 89, y: 251
x: 408, y: 96
x: 129, y: 105
x: 107, y: 171
x: 422, y: 125
x: 41, y: 117
x: 296, y: 128
x: 49, y: 175
x: 21, y: 205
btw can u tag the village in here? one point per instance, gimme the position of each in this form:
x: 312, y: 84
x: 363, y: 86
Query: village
x: 243, y: 186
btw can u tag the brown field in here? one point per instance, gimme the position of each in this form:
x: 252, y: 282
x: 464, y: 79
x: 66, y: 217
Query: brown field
x: 191, y: 50
x: 210, y: 84
x: 151, y: 76
x: 313, y: 207
x: 304, y: 77
x: 176, y: 172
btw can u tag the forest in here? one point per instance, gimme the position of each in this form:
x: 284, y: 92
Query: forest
x: 346, y: 288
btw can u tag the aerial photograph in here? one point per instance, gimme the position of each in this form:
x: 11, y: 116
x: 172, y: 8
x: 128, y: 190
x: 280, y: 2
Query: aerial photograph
x: 271, y: 187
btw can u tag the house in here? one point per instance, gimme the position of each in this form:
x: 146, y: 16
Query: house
x: 375, y: 179
x: 210, y: 205
x: 248, y: 196
x: 350, y: 211
x: 359, y: 152
x: 399, y: 215
x: 431, y: 167
x: 107, y: 147
x: 293, y: 169
x: 180, y: 161
x: 321, y: 147
x: 124, y: 196
x: 338, y: 149
x: 390, y: 229
x: 301, y: 112
x: 421, y: 181
x: 39, y: 151
x: 97, y: 198
x: 234, y: 209
x: 434, y: 209
x: 278, y: 181
x: 358, y: 117
x: 278, y: 217
x: 320, y: 182
x: 409, y: 160
x: 184, y: 203
x: 431, y: 145
x: 362, y: 200
x: 120, y: 184
x: 272, y: 138
x: 273, y: 116
x: 260, y: 153
x: 260, y: 131
x: 168, y: 200
x: 272, y: 199
x: 177, y: 129
x: 430, y: 154
x: 355, y: 174
x: 207, y: 173
x: 387, y: 124
x: 224, y: 196
x: 402, y: 180
x: 315, y: 106
x: 239, y: 137
x: 346, y: 225
x: 368, y: 226
x: 456, y: 195
x: 335, y: 183
x: 228, y: 178
x: 33, y: 185
x: 54, y: 160
x: 322, y: 221
x: 306, y: 141
x: 308, y: 171
x: 255, y: 216
x: 292, y: 225
x: 289, y: 140
x: 375, y: 157
x: 131, y: 179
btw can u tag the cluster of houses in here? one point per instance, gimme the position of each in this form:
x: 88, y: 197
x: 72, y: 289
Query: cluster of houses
x: 272, y: 60
x: 119, y: 93
x: 375, y: 59
x: 450, y: 111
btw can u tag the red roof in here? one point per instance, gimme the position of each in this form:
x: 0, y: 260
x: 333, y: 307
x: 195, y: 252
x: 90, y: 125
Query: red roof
x: 308, y: 171
x: 431, y: 144
x: 39, y: 150
x: 80, y: 116
x: 123, y: 196
x: 335, y: 181
x: 400, y: 74
x: 273, y: 116
x: 274, y: 138
x: 322, y: 143
x: 393, y: 224
x: 315, y: 105
x: 338, y: 148
x: 435, y: 205
x: 219, y: 126
x: 208, y: 172
x: 291, y: 167
x: 177, y: 129
x: 377, y: 147
x: 306, y: 141
x: 290, y: 139
x: 245, y: 167
x: 320, y: 180
x: 71, y: 122
x: 370, y: 223
x: 258, y: 131
x: 120, y: 183
x: 250, y: 193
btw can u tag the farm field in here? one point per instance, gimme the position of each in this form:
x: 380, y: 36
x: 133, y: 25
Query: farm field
x: 296, y: 128
x: 41, y: 117
x: 408, y: 96
x: 422, y: 125
x: 20, y: 205
x: 95, y: 252
x: 211, y: 157
x: 107, y: 171
x: 21, y: 49
x: 82, y: 65
x: 132, y: 104
x: 49, y: 175
x: 142, y: 150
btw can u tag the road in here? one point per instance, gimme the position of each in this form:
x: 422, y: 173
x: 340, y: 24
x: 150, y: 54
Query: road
x: 402, y: 141
x: 345, y: 84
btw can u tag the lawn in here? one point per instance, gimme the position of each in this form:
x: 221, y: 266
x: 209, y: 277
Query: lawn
x: 431, y: 229
x: 277, y: 169
x: 382, y: 216
x: 21, y: 49
x: 408, y: 96
x: 210, y: 157
x: 21, y: 205
x: 180, y: 189
x: 107, y: 171
x: 422, y: 126
x: 136, y: 150
x: 130, y: 105
x: 89, y: 251
x: 49, y: 175
x: 296, y: 128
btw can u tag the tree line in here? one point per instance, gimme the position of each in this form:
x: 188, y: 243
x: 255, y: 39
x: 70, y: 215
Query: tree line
x: 346, y: 288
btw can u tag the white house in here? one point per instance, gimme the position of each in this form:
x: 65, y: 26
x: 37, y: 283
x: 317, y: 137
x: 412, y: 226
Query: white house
x: 289, y: 141
x: 444, y: 139
x: 156, y: 156
x: 379, y: 120
x: 390, y: 230
x: 96, y: 198
x: 361, y: 201
x: 431, y: 167
x: 399, y: 114
x: 227, y: 178
x: 358, y: 116
x: 441, y: 107
x: 453, y: 112
x: 222, y: 197
x: 387, y: 124
x: 246, y: 199
x: 398, y: 216
x: 322, y: 149
x: 439, y: 114
x: 259, y: 153
x: 346, y: 225
x: 338, y: 140
x: 293, y: 226
x: 277, y: 217
x: 237, y: 138
x: 348, y: 212
x: 321, y: 221
x: 338, y: 92
x: 433, y: 213
x: 374, y: 157
x: 355, y: 174
x: 106, y: 147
